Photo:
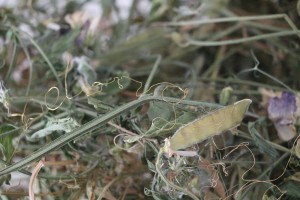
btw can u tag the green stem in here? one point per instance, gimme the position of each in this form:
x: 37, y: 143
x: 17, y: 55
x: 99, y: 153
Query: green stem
x: 59, y: 176
x: 151, y: 75
x: 238, y: 41
x: 12, y: 62
x: 27, y: 54
x: 274, y: 145
x: 90, y: 126
x: 232, y: 19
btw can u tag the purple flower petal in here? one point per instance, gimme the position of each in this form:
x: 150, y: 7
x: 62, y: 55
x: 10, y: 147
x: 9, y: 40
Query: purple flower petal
x: 282, y: 109
x: 285, y: 132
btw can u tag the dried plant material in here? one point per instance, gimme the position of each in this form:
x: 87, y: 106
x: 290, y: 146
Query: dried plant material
x: 295, y: 177
x: 85, y: 69
x: 285, y: 132
x: 281, y: 111
x: 297, y: 148
x: 298, y: 7
x: 51, y: 25
x: 79, y: 18
x: 170, y: 152
x: 266, y: 197
x: 88, y: 24
x: 266, y: 95
x: 177, y: 38
x: 35, y: 172
x: 209, y: 125
x: 281, y: 108
x: 4, y: 97
x: 90, y: 188
x: 216, y: 183
x: 85, y: 86
x: 109, y: 65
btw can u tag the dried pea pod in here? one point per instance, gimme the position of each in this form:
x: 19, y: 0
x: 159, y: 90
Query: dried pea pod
x: 209, y: 125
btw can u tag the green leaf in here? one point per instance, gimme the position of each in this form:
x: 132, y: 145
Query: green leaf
x: 65, y: 124
x: 150, y: 40
x: 160, y: 109
x: 10, y: 35
x: 161, y: 126
x: 64, y: 43
x: 261, y: 143
x: 6, y: 143
x: 151, y: 166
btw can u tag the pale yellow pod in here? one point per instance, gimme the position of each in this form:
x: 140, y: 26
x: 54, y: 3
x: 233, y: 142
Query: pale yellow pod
x: 210, y: 125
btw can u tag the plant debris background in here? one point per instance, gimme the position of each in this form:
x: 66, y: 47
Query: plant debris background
x: 64, y: 63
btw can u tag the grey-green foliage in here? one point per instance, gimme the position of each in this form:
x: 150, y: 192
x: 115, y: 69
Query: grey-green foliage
x: 119, y: 82
x: 292, y: 189
x: 166, y: 122
x: 66, y: 124
x: 261, y: 143
x: 64, y: 43
x: 6, y: 142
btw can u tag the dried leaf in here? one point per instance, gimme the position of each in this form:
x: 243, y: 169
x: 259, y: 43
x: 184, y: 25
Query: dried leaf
x: 218, y: 185
x: 85, y: 69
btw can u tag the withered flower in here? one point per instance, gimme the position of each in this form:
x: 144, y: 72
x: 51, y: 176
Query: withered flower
x: 282, y: 112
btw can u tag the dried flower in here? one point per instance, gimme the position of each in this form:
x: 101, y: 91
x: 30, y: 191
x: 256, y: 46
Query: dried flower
x: 4, y: 98
x: 170, y: 152
x: 282, y: 111
x: 88, y: 24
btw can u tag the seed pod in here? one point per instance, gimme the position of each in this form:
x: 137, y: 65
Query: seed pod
x: 209, y: 125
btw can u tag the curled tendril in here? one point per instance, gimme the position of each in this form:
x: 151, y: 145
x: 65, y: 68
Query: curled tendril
x: 55, y: 106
